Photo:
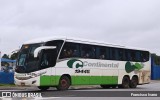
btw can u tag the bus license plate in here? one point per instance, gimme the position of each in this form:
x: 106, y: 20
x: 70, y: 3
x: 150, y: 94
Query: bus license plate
x: 22, y: 84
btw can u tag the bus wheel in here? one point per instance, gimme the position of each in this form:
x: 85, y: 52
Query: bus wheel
x: 119, y: 86
x: 43, y: 88
x: 105, y: 86
x: 125, y: 82
x: 64, y: 83
x: 133, y: 82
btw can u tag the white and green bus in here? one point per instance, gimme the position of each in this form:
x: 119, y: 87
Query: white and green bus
x: 61, y: 62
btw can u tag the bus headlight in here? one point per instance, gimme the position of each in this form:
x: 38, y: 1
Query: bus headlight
x: 34, y: 75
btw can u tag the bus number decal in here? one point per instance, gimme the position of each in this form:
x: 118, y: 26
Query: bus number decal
x: 82, y: 71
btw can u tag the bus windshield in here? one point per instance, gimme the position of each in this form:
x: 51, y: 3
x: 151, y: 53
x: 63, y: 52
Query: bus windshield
x: 26, y: 61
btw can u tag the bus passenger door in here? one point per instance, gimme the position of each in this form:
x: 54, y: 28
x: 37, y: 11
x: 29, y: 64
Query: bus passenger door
x: 47, y: 64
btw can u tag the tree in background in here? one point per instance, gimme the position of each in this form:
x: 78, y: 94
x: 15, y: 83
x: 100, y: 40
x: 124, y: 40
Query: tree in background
x: 14, y: 56
x: 5, y: 63
x: 5, y: 56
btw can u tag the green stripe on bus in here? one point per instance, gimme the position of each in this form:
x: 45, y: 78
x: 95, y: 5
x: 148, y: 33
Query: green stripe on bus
x: 94, y: 80
x: 79, y: 80
x: 49, y: 80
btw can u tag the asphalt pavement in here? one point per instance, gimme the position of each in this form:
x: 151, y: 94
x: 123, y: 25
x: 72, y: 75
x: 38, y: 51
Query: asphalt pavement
x: 144, y: 92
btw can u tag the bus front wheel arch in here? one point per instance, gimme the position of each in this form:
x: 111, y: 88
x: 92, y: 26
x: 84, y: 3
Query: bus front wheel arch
x: 64, y: 83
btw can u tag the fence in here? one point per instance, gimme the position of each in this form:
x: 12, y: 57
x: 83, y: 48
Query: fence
x: 155, y: 70
x: 6, y: 77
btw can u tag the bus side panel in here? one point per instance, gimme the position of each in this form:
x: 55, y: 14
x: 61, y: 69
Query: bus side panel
x: 49, y: 78
x: 144, y: 77
x: 79, y: 78
x: 110, y: 76
x: 145, y: 73
x: 95, y: 76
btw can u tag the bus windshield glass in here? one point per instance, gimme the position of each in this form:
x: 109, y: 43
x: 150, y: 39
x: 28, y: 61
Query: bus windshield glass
x: 26, y: 61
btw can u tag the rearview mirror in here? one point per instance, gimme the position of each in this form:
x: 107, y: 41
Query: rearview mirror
x: 37, y: 50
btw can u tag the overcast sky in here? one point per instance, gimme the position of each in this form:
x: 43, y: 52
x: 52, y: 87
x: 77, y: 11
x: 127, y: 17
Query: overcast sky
x: 134, y: 23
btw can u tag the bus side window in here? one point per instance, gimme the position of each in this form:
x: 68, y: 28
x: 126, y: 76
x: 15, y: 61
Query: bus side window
x: 144, y: 56
x: 48, y: 58
x: 100, y: 53
x: 117, y: 54
x: 138, y: 56
x: 75, y: 49
x: 87, y: 51
x: 65, y: 52
x: 108, y: 53
x: 147, y: 56
x: 133, y: 55
x: 120, y: 54
x: 127, y: 55
x: 113, y: 53
x: 70, y: 50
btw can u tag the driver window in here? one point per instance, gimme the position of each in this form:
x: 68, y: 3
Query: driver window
x: 48, y: 58
x: 44, y: 61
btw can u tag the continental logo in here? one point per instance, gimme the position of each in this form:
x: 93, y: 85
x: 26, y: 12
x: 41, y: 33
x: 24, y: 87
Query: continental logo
x: 129, y: 67
x: 75, y: 63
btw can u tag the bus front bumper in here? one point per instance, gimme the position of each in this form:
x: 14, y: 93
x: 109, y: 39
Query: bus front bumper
x: 27, y: 82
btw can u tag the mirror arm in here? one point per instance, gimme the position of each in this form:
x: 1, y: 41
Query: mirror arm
x: 36, y: 51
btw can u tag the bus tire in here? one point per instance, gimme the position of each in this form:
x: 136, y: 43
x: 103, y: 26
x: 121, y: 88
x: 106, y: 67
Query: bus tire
x: 119, y: 86
x: 64, y: 83
x: 133, y: 82
x: 43, y: 88
x: 125, y: 82
x: 105, y: 86
x: 113, y: 86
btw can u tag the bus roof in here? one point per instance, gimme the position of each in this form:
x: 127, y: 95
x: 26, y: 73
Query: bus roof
x: 79, y: 40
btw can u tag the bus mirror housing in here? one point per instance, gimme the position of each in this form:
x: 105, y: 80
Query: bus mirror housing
x: 37, y: 50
